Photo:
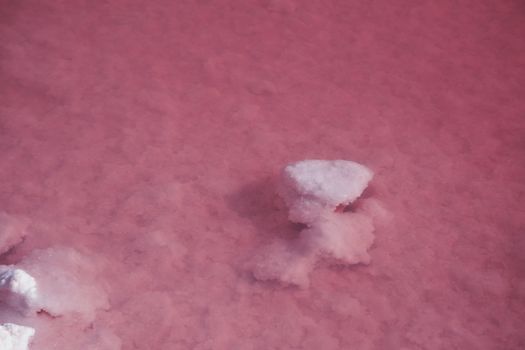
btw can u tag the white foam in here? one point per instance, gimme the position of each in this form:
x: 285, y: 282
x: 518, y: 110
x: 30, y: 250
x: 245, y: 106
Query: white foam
x: 15, y: 337
x: 18, y: 289
x: 311, y: 186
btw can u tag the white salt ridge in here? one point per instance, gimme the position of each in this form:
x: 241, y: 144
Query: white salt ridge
x: 312, y: 190
x: 18, y: 289
x: 15, y: 337
x: 12, y: 231
x: 311, y: 186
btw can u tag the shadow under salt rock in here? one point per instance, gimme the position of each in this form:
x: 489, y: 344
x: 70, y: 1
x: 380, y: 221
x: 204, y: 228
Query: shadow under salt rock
x: 259, y: 203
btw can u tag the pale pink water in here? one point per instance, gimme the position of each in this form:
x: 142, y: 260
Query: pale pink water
x: 149, y: 133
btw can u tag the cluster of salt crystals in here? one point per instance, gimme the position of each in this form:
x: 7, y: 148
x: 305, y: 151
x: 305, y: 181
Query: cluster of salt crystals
x: 57, y: 280
x: 311, y: 188
x: 313, y: 191
x: 15, y: 337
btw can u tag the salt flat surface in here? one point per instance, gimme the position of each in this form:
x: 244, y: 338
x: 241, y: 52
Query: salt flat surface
x: 149, y: 137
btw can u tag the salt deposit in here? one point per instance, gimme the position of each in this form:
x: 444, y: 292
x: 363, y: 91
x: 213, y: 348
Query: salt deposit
x: 66, y: 282
x: 310, y: 186
x: 15, y: 337
x: 18, y: 289
x: 313, y: 191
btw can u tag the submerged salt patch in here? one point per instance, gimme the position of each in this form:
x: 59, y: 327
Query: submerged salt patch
x: 345, y: 238
x: 18, y: 289
x: 284, y: 262
x: 310, y: 186
x: 342, y: 239
x: 374, y: 209
x: 12, y: 231
x: 101, y: 339
x: 66, y: 283
x: 15, y: 337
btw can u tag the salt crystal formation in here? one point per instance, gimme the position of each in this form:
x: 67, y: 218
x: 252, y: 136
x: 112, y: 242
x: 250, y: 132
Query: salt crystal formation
x: 310, y: 187
x: 15, y: 337
x: 313, y: 190
x: 59, y: 281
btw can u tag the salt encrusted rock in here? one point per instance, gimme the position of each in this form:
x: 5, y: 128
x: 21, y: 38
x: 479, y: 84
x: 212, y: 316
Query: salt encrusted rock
x: 310, y: 187
x: 18, y: 289
x: 12, y: 231
x: 314, y: 191
x: 15, y: 337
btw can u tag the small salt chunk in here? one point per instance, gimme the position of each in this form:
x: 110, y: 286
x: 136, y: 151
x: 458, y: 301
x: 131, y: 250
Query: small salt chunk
x: 15, y: 337
x: 310, y: 187
x: 18, y: 289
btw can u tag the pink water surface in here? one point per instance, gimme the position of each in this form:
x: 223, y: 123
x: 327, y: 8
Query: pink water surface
x: 149, y: 134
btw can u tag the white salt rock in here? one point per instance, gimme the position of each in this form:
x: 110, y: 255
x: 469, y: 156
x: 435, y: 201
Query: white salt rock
x: 18, y: 289
x: 12, y: 231
x: 345, y: 238
x: 67, y: 282
x: 310, y: 187
x: 15, y: 337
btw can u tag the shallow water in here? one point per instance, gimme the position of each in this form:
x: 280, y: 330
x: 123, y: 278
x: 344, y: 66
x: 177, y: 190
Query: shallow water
x: 148, y: 135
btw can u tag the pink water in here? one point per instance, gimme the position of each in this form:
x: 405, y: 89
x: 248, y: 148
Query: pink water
x: 149, y: 134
